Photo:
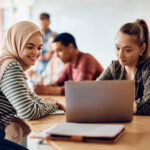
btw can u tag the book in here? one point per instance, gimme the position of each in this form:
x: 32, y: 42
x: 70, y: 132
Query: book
x: 83, y: 132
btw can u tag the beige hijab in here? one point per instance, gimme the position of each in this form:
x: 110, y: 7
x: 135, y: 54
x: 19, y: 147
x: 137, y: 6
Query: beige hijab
x: 14, y: 43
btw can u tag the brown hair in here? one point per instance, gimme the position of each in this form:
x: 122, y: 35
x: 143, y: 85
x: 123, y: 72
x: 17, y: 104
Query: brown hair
x: 139, y: 28
x: 44, y: 16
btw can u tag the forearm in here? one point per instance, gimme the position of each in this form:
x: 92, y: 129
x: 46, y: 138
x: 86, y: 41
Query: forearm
x: 48, y: 90
x: 143, y: 108
x: 15, y: 88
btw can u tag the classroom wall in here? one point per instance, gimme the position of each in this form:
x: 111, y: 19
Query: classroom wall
x: 94, y: 23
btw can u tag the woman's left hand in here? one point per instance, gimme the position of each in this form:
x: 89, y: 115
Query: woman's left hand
x: 134, y: 108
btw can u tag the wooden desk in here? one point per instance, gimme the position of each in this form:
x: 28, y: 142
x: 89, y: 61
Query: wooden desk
x: 136, y: 136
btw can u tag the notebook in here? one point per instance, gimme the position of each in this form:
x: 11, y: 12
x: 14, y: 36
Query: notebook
x: 82, y: 132
x: 99, y: 101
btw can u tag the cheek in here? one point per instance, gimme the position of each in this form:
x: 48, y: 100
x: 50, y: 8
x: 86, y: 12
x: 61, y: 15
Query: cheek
x: 117, y: 53
x: 60, y: 54
x: 39, y: 53
x: 23, y: 55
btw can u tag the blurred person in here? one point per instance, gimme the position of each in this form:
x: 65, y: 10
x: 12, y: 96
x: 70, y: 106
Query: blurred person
x: 18, y: 54
x: 78, y: 65
x: 53, y: 68
x: 44, y: 59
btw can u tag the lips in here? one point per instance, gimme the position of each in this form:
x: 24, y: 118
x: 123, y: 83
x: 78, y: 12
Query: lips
x: 32, y: 58
x: 122, y: 60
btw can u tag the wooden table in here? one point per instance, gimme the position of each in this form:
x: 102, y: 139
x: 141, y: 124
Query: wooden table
x: 136, y: 136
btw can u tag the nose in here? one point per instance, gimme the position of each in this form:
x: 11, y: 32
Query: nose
x: 36, y: 52
x: 121, y: 54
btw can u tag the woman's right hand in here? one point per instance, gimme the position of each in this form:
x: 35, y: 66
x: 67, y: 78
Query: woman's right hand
x: 61, y: 106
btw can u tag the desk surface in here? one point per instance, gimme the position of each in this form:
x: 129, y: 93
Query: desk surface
x: 136, y: 136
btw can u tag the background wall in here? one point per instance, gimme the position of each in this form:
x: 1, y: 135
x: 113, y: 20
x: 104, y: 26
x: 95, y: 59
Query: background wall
x: 94, y: 23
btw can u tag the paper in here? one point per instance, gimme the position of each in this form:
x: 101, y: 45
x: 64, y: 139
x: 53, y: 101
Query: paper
x: 58, y: 112
x: 45, y: 133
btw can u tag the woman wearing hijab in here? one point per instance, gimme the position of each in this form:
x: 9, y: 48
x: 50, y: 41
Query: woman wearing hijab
x: 22, y: 47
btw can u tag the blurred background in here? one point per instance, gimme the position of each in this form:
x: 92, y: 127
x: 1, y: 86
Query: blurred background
x: 94, y: 23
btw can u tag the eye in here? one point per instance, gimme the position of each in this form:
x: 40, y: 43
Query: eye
x: 29, y: 47
x: 117, y: 48
x: 40, y: 48
x: 128, y: 50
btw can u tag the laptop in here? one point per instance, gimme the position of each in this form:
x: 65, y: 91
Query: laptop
x: 99, y: 101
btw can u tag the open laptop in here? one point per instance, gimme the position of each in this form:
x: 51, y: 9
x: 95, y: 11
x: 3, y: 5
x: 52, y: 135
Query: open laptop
x: 99, y: 101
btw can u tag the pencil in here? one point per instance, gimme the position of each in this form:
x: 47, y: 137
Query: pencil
x: 54, y: 145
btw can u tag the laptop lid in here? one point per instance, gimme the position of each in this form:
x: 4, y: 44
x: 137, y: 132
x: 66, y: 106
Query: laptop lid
x: 99, y: 101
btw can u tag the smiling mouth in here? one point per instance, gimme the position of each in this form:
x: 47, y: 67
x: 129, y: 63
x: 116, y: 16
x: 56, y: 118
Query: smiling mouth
x: 32, y: 58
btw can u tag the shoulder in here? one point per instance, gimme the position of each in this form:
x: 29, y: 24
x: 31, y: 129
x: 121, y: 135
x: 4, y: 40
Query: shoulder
x: 14, y: 68
x: 145, y: 66
x: 13, y: 73
x: 14, y: 65
x: 67, y: 67
x: 87, y: 58
x: 115, y: 65
x: 115, y: 69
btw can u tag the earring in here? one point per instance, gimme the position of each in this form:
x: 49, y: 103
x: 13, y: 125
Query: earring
x: 141, y: 54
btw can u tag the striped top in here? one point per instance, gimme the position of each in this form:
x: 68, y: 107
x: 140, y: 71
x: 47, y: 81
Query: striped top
x: 17, y: 99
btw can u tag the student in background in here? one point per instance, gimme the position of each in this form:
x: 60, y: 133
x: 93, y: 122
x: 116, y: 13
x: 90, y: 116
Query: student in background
x: 53, y: 68
x: 133, y: 53
x: 22, y: 47
x: 78, y: 65
x: 44, y: 59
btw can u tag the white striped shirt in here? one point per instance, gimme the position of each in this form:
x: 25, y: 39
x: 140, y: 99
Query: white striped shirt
x: 17, y: 98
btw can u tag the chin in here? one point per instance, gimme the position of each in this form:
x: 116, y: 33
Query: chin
x: 122, y: 63
x: 31, y: 64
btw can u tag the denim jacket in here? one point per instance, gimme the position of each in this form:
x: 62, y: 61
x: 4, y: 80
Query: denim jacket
x: 142, y: 83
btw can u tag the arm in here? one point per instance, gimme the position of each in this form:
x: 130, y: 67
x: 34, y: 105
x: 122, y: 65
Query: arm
x: 15, y: 88
x: 143, y: 103
x: 63, y: 76
x: 86, y: 69
x: 106, y: 74
x: 47, y: 90
x: 56, y: 88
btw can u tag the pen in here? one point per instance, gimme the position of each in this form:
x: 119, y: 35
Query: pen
x: 54, y: 145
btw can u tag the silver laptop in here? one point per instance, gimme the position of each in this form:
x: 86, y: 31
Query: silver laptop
x: 99, y: 101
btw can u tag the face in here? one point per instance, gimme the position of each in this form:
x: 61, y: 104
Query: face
x: 32, y: 50
x: 127, y: 50
x: 63, y: 52
x: 45, y: 24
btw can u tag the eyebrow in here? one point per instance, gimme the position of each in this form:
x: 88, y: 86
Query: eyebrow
x: 33, y: 44
x: 125, y: 46
x: 30, y: 44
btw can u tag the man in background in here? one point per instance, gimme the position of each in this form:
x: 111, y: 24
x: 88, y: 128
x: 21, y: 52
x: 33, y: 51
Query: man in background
x: 43, y: 60
x: 78, y: 65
